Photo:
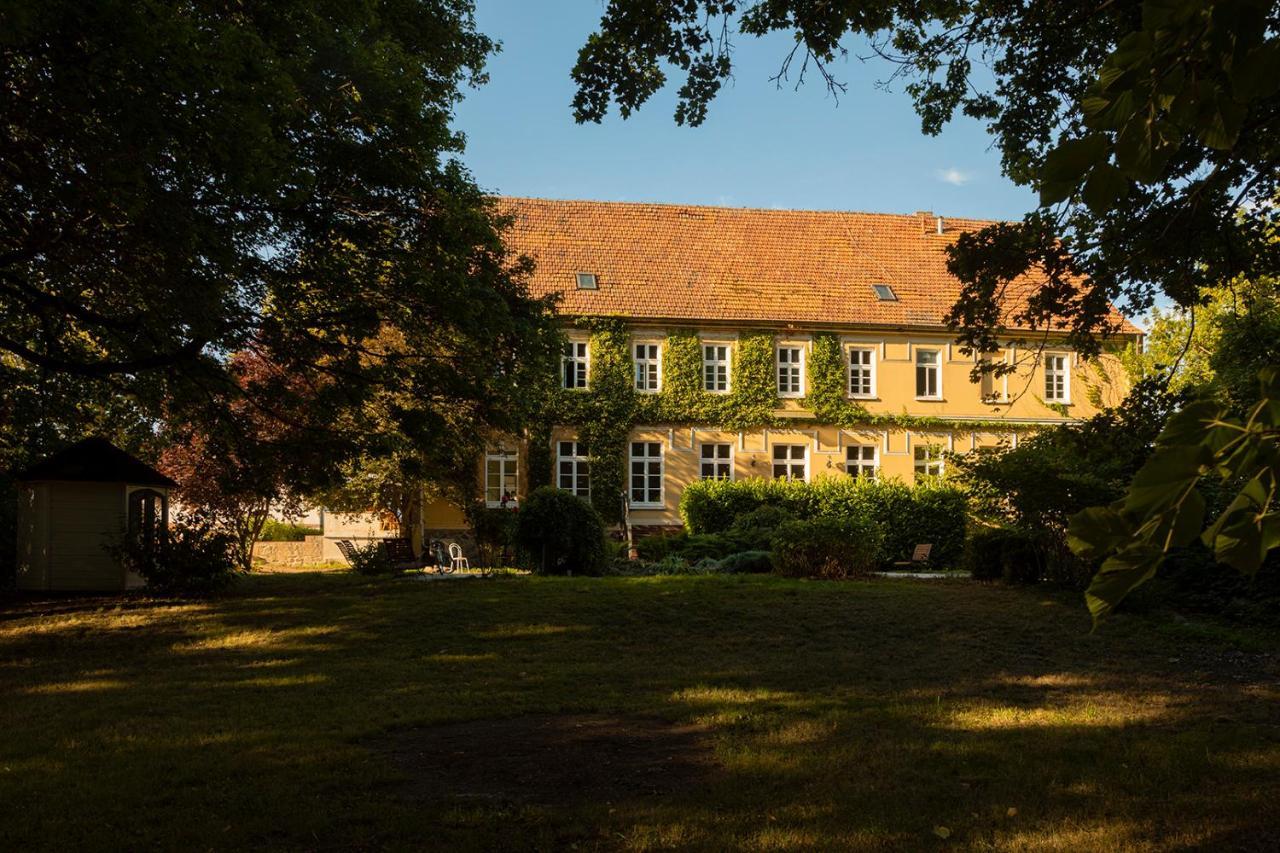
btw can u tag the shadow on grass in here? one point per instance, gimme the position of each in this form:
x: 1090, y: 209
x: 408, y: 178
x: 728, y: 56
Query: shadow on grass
x: 867, y: 715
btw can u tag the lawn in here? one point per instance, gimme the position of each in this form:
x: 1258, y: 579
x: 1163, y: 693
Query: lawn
x: 892, y: 714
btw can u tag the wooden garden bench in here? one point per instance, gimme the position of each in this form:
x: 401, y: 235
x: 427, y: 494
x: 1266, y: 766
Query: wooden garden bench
x: 919, y: 556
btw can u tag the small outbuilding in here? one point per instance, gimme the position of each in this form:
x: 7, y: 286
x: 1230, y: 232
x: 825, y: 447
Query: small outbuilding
x: 74, y: 505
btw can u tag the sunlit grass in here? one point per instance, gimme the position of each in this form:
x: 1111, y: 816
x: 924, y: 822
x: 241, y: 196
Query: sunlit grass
x: 878, y: 715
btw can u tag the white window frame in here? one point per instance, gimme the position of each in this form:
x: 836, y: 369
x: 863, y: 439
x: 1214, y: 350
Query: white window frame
x: 709, y: 363
x: 860, y: 464
x: 715, y: 461
x: 798, y: 367
x: 789, y: 461
x: 1064, y: 374
x: 929, y: 460
x: 646, y: 459
x: 646, y: 367
x: 580, y: 467
x: 937, y: 372
x: 870, y: 367
x: 503, y: 460
x: 577, y: 353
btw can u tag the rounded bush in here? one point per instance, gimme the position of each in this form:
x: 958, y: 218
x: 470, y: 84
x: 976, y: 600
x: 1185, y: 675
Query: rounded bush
x: 831, y: 548
x: 747, y: 562
x: 558, y: 533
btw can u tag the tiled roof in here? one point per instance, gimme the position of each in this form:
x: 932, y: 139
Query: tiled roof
x: 684, y: 262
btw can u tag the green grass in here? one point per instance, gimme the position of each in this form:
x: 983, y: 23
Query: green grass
x: 858, y: 715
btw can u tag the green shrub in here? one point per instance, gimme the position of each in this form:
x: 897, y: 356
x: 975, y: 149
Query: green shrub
x: 370, y: 560
x: 747, y: 562
x: 1020, y: 559
x: 907, y: 515
x: 982, y: 557
x: 494, y: 530
x: 193, y: 558
x: 653, y: 548
x: 831, y: 548
x: 274, y: 530
x: 754, y: 530
x: 558, y: 533
x: 8, y: 531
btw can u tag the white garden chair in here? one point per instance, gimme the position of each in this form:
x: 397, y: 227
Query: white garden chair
x: 456, y: 560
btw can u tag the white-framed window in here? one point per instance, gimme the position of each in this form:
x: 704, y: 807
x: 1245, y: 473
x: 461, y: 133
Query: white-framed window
x: 928, y: 374
x: 862, y: 372
x: 573, y: 470
x: 790, y: 361
x: 716, y: 461
x: 646, y: 473
x: 1057, y: 378
x: 715, y: 368
x: 501, y: 478
x: 647, y: 359
x: 791, y: 462
x: 573, y: 365
x: 928, y: 460
x: 860, y: 461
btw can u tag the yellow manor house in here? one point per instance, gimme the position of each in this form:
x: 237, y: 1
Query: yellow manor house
x: 721, y: 297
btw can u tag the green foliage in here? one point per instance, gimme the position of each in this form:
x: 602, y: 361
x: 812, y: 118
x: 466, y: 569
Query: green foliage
x: 195, y: 558
x: 828, y: 385
x: 829, y: 548
x: 494, y: 530
x: 274, y: 530
x: 907, y: 515
x: 983, y: 552
x: 371, y: 560
x: 747, y: 562
x: 558, y: 533
x: 1038, y: 485
x: 1165, y: 507
x: 277, y: 177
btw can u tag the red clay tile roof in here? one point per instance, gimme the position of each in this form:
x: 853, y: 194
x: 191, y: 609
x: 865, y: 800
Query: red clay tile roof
x: 684, y: 262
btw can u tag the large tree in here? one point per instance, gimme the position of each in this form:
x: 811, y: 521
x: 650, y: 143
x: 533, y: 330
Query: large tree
x: 1151, y: 130
x: 183, y: 181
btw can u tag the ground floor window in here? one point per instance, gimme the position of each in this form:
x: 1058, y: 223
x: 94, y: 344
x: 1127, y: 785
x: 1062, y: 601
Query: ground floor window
x: 928, y: 460
x: 501, y: 478
x: 646, y: 473
x: 790, y: 462
x: 717, y: 461
x: 573, y: 471
x: 860, y: 461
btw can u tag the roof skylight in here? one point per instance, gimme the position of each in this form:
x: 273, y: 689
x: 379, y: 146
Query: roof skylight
x: 587, y: 281
x: 884, y: 293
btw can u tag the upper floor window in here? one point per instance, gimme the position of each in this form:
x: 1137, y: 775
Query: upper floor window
x: 860, y: 461
x: 646, y: 473
x: 928, y: 460
x: 648, y: 364
x: 1057, y: 380
x: 790, y: 462
x: 790, y: 371
x: 573, y: 365
x: 501, y: 478
x: 928, y: 374
x: 573, y: 470
x: 717, y: 461
x: 862, y: 372
x: 715, y: 367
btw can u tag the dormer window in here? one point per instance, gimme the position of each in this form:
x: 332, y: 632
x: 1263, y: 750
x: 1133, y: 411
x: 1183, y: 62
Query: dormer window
x: 884, y: 293
x: 587, y: 281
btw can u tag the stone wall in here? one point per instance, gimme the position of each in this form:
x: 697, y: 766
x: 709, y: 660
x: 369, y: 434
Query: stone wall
x: 309, y: 551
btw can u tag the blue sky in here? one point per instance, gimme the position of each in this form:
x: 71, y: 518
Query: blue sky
x: 760, y: 147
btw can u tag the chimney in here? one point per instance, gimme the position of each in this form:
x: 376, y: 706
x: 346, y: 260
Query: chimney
x: 924, y: 216
x: 940, y: 226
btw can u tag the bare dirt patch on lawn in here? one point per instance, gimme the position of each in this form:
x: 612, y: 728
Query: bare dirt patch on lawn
x: 550, y: 759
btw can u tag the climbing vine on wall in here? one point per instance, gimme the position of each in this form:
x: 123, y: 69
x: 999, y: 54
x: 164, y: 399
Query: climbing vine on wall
x: 605, y: 413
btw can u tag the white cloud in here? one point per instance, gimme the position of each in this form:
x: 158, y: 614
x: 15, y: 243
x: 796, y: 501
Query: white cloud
x: 953, y: 176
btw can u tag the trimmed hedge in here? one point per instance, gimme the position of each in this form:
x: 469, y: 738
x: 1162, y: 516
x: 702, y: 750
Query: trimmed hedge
x: 906, y: 515
x: 1001, y: 553
x: 828, y: 548
x: 558, y: 533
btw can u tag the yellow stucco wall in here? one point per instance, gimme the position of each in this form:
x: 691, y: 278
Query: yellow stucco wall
x: 1020, y: 402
